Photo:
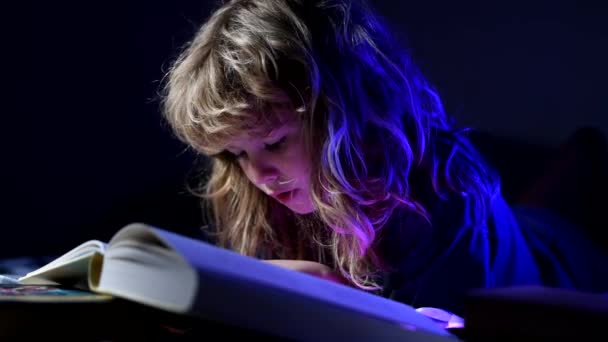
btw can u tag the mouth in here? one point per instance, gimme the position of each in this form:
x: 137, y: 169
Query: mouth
x: 285, y: 196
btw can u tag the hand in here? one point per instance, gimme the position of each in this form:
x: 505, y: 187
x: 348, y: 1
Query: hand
x: 310, y: 267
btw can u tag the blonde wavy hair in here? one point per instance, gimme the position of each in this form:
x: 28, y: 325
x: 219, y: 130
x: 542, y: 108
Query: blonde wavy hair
x: 365, y: 109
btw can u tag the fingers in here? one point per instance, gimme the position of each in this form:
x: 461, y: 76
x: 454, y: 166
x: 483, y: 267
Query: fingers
x: 310, y: 267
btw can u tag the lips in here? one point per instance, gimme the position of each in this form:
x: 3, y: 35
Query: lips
x: 285, y: 195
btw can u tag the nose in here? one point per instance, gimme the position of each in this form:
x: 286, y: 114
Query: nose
x: 261, y: 173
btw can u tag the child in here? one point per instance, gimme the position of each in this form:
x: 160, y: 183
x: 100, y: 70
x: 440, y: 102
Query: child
x: 329, y: 148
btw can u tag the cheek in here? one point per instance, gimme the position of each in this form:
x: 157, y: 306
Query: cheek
x: 300, y: 163
x: 304, y: 171
x: 300, y: 170
x: 304, y: 166
x: 296, y: 165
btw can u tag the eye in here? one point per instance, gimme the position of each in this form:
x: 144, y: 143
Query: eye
x: 277, y: 145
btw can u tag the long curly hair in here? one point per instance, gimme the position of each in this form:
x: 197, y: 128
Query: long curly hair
x: 369, y: 115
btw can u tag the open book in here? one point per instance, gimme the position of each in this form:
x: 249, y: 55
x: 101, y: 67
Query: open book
x: 167, y: 271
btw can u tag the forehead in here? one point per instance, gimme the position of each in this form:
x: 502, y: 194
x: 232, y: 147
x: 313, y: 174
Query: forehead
x: 264, y: 130
x: 247, y: 137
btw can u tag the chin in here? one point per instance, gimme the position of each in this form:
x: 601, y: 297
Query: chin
x: 300, y: 204
x: 301, y: 208
x: 302, y: 211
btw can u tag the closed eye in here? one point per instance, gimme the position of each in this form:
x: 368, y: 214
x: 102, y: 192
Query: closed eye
x: 277, y: 145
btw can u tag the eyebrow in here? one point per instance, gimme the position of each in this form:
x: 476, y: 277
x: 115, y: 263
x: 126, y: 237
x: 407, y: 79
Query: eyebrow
x: 264, y: 134
x: 267, y: 133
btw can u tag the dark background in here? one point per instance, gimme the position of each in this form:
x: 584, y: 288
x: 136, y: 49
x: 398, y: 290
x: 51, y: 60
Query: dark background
x: 85, y: 151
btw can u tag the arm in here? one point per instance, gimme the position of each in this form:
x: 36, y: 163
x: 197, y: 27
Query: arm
x: 434, y: 266
x: 439, y: 276
x: 310, y: 267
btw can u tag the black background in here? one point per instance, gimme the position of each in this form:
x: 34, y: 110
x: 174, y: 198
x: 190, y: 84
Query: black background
x: 85, y: 151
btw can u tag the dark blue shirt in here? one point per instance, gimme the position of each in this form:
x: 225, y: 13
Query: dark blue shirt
x: 435, y: 265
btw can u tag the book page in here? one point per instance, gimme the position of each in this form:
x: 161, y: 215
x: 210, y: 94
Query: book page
x: 70, y: 268
x: 146, y: 272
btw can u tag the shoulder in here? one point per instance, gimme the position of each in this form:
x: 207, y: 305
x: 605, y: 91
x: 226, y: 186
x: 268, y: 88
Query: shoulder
x: 409, y: 239
x: 431, y: 263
